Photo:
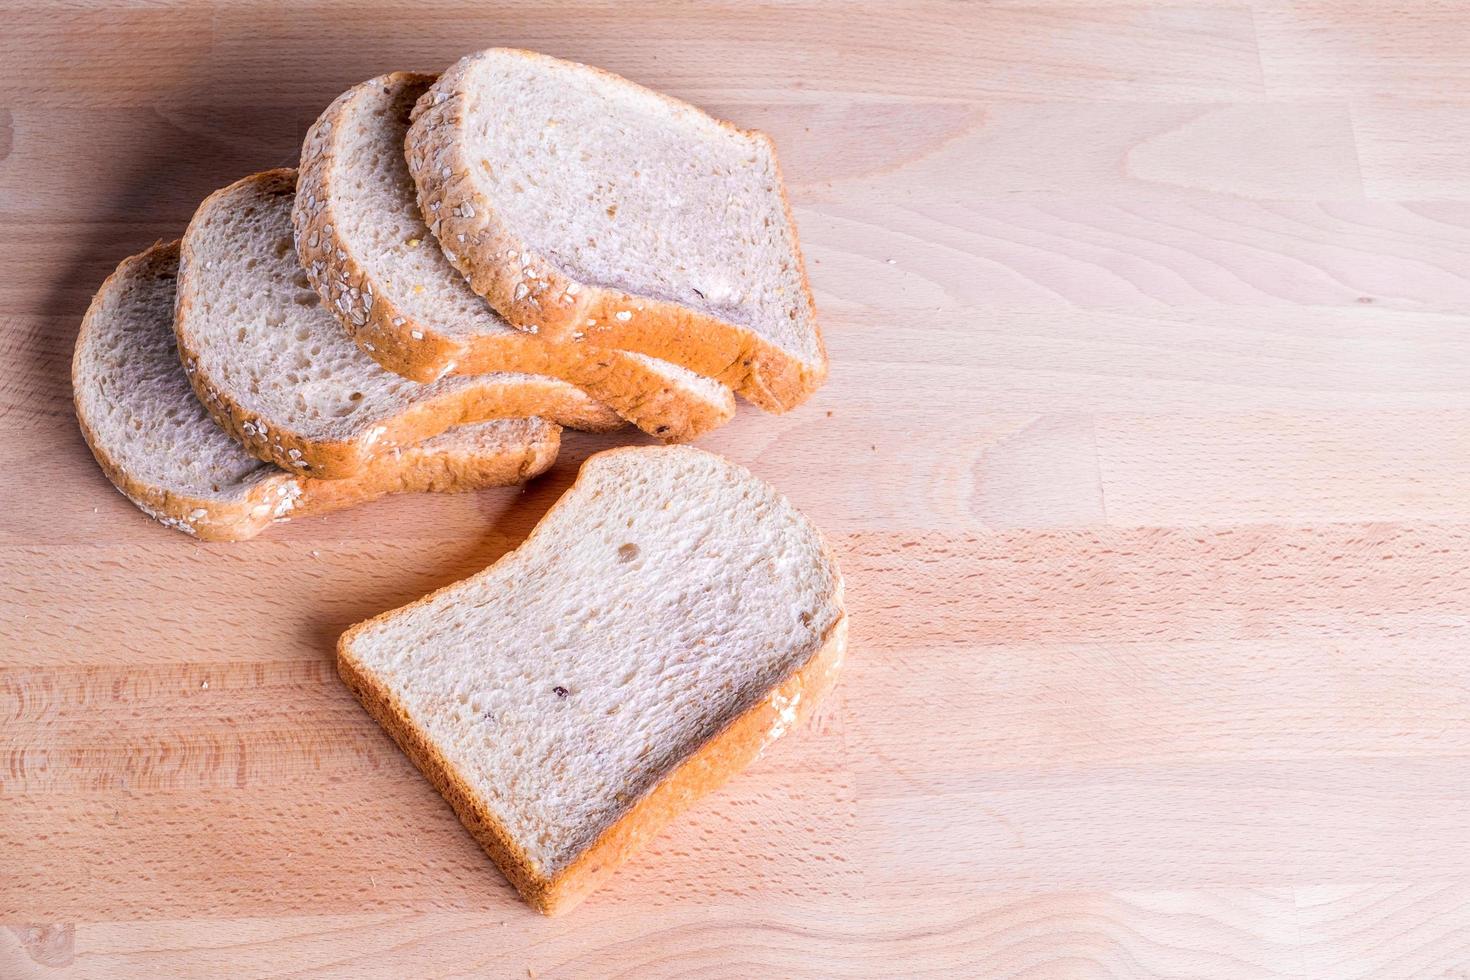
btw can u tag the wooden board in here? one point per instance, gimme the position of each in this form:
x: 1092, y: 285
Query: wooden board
x: 1146, y: 452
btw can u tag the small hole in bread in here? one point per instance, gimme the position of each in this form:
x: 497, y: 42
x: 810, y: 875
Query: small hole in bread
x: 628, y: 552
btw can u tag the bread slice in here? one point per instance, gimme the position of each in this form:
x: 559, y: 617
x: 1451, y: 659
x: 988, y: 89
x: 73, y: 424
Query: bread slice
x: 589, y: 208
x: 277, y: 371
x: 158, y: 445
x: 359, y: 234
x: 669, y: 617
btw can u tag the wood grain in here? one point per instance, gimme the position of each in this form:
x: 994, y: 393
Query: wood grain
x: 1144, y: 453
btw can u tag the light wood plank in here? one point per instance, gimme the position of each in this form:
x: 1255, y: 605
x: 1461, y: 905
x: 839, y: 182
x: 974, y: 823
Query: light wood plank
x: 1413, y: 151
x: 1225, y: 934
x: 1004, y: 151
x: 1150, y: 255
x: 1281, y: 466
x: 1336, y: 49
x: 954, y: 50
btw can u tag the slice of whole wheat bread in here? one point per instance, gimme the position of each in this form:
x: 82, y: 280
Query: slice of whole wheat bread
x: 359, y: 234
x: 566, y: 723
x: 160, y: 448
x: 591, y: 209
x: 278, y: 372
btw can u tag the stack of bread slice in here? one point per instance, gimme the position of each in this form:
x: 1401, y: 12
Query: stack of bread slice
x: 461, y: 266
x: 161, y: 448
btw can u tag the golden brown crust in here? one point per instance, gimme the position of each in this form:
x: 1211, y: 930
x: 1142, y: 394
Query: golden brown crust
x: 282, y: 496
x: 708, y: 767
x: 421, y: 470
x: 324, y: 459
x: 530, y: 292
x: 417, y: 350
x: 207, y: 520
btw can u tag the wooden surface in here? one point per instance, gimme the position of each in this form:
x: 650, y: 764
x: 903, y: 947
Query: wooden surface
x: 1146, y: 453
